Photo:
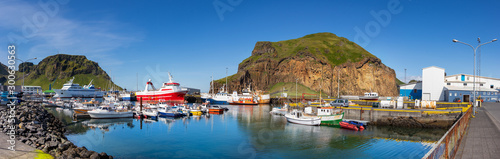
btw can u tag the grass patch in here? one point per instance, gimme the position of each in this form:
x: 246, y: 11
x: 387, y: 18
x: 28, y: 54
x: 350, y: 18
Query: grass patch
x: 277, y: 89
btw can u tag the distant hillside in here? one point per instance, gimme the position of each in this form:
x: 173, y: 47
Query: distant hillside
x: 317, y: 61
x: 399, y: 82
x: 61, y: 68
x: 3, y: 73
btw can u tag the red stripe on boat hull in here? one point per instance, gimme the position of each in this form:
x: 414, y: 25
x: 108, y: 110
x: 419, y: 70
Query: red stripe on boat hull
x: 177, y: 97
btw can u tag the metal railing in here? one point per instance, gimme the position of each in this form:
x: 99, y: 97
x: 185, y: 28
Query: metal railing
x: 448, y: 145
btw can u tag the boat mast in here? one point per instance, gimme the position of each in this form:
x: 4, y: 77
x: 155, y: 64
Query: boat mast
x: 212, y: 84
x: 226, y: 82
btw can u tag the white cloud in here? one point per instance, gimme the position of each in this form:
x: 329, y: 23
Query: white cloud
x: 96, y: 39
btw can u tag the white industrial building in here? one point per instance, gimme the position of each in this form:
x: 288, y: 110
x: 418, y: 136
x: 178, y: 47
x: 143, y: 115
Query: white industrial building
x: 436, y: 86
x: 32, y: 89
x: 433, y: 83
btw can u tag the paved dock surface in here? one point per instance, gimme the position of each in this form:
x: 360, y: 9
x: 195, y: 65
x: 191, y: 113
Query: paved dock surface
x: 483, y: 137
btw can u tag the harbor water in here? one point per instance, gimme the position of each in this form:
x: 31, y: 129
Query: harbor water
x: 242, y: 132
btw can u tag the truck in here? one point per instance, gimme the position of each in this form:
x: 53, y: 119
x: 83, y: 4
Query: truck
x: 340, y: 103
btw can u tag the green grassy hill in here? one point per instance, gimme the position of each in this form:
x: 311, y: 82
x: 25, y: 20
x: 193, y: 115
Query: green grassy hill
x: 60, y: 68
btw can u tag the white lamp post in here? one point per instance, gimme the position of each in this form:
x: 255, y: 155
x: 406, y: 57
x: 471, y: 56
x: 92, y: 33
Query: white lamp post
x: 474, y: 71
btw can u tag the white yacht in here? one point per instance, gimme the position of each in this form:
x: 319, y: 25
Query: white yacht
x: 70, y: 90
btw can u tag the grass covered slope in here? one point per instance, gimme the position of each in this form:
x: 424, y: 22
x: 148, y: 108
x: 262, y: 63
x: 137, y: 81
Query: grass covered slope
x: 289, y: 88
x: 323, y: 46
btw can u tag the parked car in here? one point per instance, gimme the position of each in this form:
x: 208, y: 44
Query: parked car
x: 340, y: 103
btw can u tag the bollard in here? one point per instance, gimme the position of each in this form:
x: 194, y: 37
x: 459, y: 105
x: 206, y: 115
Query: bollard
x: 140, y: 104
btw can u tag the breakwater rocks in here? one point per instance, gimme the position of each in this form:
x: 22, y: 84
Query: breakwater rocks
x: 40, y: 129
x: 411, y: 122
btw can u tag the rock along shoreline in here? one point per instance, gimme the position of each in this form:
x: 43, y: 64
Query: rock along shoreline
x: 38, y: 128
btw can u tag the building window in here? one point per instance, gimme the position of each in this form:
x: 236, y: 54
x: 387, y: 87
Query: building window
x: 480, y: 84
x: 414, y: 90
x: 467, y: 78
x: 448, y: 84
x: 484, y: 93
x: 450, y: 94
x: 465, y: 84
x: 455, y: 94
x: 491, y: 86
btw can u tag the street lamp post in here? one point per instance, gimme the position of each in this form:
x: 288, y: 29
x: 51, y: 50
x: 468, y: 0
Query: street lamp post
x: 23, y: 69
x: 474, y: 70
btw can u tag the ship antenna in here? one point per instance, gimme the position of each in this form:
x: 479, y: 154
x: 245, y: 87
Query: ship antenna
x: 170, y: 77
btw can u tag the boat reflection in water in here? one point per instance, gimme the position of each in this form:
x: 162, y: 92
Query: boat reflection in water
x: 243, y: 132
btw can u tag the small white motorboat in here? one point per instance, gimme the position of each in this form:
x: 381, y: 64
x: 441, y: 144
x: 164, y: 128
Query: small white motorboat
x: 297, y: 117
x: 279, y: 111
x: 150, y: 112
x: 107, y: 112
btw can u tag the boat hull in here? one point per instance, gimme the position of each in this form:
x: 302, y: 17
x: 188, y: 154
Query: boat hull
x: 213, y: 101
x: 150, y: 114
x: 307, y: 121
x: 197, y: 113
x: 331, y: 119
x: 216, y: 110
x: 346, y: 125
x: 110, y: 115
x: 242, y: 103
x: 169, y: 114
x: 81, y: 111
x: 81, y: 93
x: 158, y: 95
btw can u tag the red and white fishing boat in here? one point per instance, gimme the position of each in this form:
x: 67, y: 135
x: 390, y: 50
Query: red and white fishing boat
x: 169, y: 92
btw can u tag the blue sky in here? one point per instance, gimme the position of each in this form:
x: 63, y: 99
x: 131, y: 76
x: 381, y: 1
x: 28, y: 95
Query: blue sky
x: 140, y: 40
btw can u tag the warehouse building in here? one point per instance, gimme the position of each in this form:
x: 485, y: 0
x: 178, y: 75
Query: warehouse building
x: 436, y: 86
x: 412, y: 90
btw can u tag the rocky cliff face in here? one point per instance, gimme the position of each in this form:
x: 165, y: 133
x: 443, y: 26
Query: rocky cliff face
x: 318, y: 61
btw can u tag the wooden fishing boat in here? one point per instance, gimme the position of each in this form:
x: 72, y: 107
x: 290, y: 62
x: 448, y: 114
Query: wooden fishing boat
x: 298, y: 118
